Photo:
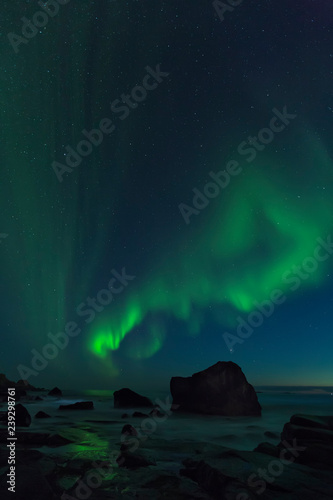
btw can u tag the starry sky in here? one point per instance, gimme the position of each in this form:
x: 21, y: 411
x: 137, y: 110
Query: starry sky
x: 206, y: 202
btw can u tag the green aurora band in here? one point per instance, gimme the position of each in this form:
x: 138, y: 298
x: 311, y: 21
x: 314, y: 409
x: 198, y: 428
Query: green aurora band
x: 232, y: 254
x: 243, y: 243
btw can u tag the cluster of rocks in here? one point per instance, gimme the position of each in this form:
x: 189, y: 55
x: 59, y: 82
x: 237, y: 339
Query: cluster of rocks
x: 21, y: 387
x: 300, y: 466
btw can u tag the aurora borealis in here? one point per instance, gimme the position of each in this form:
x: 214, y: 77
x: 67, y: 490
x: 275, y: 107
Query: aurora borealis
x: 119, y: 207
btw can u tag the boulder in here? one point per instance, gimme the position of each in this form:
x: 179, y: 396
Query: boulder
x: 126, y: 398
x: 314, y: 434
x: 318, y: 422
x: 221, y: 389
x: 129, y: 430
x: 55, y: 392
x: 22, y: 416
x: 81, y: 405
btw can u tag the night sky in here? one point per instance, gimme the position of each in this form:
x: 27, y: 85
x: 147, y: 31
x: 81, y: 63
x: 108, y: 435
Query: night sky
x: 244, y: 98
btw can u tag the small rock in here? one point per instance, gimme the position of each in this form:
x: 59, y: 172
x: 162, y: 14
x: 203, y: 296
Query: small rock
x: 55, y: 392
x: 81, y: 405
x: 42, y: 414
x: 129, y: 430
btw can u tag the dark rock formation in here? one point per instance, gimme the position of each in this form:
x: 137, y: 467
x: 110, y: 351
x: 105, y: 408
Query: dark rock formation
x: 221, y: 389
x: 268, y: 474
x: 127, y: 458
x: 21, y: 384
x: 42, y: 414
x: 315, y: 435
x: 22, y: 416
x: 55, y: 392
x: 81, y: 405
x: 126, y: 398
x: 129, y: 430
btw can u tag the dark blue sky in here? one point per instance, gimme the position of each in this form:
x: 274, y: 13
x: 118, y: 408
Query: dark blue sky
x: 166, y: 169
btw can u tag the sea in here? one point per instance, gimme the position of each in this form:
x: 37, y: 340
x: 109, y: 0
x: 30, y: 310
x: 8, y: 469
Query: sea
x: 243, y: 433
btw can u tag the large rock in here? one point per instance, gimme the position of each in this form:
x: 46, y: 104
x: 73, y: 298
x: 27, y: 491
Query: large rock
x: 314, y: 434
x: 126, y: 398
x: 221, y: 389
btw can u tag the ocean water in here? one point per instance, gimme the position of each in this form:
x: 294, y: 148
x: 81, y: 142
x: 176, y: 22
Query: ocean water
x: 104, y: 423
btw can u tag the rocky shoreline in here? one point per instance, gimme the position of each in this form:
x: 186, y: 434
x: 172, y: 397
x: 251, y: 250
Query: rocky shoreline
x: 76, y: 451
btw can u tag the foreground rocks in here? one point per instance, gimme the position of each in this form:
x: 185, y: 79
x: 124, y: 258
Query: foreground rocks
x: 315, y: 435
x: 221, y: 389
x: 127, y: 457
x: 157, y: 468
x: 299, y: 467
x: 126, y: 398
x: 246, y: 475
